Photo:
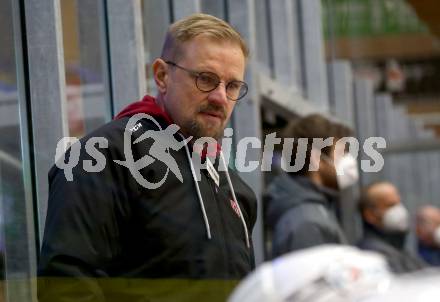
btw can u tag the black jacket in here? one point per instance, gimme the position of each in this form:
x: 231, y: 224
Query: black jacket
x: 391, y: 246
x: 108, y: 227
x: 299, y: 214
x: 430, y: 254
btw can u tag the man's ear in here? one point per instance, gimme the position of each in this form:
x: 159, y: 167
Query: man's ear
x: 160, y: 73
x: 369, y: 216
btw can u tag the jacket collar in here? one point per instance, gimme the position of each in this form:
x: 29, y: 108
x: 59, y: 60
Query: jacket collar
x: 396, y: 239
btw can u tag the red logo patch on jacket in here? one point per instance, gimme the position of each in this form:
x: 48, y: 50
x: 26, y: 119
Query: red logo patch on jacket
x: 234, y: 206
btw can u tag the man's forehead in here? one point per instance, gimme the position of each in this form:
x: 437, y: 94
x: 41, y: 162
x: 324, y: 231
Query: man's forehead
x: 207, y: 40
x: 384, y: 194
x: 430, y: 213
x: 226, y: 60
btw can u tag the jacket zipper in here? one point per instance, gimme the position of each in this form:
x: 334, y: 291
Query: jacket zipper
x: 215, y: 191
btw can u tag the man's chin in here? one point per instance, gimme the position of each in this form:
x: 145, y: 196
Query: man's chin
x: 215, y: 134
x: 198, y: 130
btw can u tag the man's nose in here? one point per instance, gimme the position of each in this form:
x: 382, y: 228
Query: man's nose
x: 218, y: 95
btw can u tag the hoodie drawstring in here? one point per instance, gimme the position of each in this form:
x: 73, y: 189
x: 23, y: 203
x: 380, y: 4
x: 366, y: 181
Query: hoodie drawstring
x: 235, y: 199
x: 199, y: 195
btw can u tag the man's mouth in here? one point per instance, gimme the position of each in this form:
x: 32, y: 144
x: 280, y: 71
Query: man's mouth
x: 214, y: 114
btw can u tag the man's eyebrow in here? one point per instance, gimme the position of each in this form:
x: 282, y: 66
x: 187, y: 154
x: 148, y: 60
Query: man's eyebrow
x: 233, y: 78
x: 206, y: 69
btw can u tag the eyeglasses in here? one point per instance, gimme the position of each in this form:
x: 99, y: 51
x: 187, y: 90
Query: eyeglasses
x: 208, y: 81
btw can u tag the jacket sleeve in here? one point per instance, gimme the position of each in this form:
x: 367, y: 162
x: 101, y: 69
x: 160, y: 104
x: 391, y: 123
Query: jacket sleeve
x: 289, y: 235
x: 80, y: 236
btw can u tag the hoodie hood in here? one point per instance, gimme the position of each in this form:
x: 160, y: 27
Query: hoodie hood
x: 286, y: 192
x: 147, y: 105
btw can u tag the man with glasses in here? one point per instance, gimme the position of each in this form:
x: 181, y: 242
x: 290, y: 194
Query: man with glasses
x: 186, y: 239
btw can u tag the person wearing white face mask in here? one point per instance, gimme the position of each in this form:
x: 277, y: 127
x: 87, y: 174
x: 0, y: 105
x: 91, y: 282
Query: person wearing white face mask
x: 428, y: 234
x: 299, y: 206
x: 386, y: 225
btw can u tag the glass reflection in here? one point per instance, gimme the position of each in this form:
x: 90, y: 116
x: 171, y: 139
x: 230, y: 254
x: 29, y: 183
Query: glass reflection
x: 87, y: 104
x: 17, y: 242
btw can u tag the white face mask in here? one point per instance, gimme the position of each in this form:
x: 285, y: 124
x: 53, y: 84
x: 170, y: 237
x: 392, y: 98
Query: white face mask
x: 347, y: 173
x: 437, y: 236
x: 396, y: 219
x: 346, y: 167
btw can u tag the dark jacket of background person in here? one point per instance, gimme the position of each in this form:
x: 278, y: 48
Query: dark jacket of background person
x: 108, y: 231
x: 429, y: 254
x: 300, y: 214
x: 427, y: 228
x: 392, y: 247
